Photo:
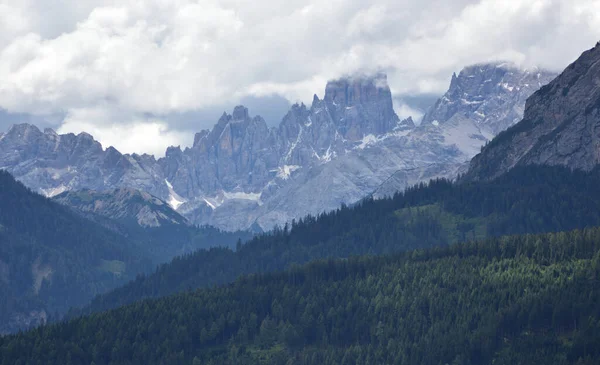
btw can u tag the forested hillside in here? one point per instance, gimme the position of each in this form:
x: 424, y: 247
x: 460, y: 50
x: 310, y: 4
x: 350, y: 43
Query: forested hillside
x: 529, y: 299
x: 526, y: 200
x: 52, y: 259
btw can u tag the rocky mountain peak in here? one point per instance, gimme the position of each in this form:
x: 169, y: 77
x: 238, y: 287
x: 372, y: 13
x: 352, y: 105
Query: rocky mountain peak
x: 23, y: 132
x: 482, y: 100
x: 315, y: 99
x: 352, y: 91
x: 174, y: 150
x: 85, y: 141
x: 292, y: 121
x: 559, y: 126
x: 85, y: 136
x: 221, y: 123
x: 407, y: 124
x: 50, y: 132
x: 493, y: 95
x: 240, y: 112
x: 453, y: 81
x: 205, y: 139
x: 200, y: 135
x: 361, y: 106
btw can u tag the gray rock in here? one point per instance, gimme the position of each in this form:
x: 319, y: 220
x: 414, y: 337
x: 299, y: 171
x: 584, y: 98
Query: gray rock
x: 361, y: 106
x: 51, y: 164
x: 560, y: 125
x: 482, y: 101
x: 124, y: 205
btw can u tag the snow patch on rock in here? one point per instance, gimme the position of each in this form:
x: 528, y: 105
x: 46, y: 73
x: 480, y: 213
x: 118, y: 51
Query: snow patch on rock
x: 175, y: 200
x: 51, y: 192
x: 284, y: 172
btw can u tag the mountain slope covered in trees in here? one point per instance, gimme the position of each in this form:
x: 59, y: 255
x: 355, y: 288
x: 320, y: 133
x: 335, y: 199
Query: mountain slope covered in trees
x: 512, y: 300
x: 52, y: 258
x: 526, y: 200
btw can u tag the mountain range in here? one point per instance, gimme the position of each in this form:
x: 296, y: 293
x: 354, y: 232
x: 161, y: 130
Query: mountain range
x: 243, y: 174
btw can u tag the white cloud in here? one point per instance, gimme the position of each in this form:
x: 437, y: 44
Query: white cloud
x: 12, y: 23
x: 134, y: 58
x: 127, y: 133
x: 404, y: 111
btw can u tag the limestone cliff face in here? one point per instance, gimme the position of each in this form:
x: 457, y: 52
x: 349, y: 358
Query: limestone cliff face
x: 234, y: 154
x: 361, y: 106
x: 561, y: 125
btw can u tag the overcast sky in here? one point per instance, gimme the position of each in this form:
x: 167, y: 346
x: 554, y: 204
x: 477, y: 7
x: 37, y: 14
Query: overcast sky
x: 145, y: 74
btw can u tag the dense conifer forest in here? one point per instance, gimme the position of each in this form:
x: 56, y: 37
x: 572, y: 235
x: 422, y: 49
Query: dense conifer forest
x: 526, y: 200
x: 527, y: 299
